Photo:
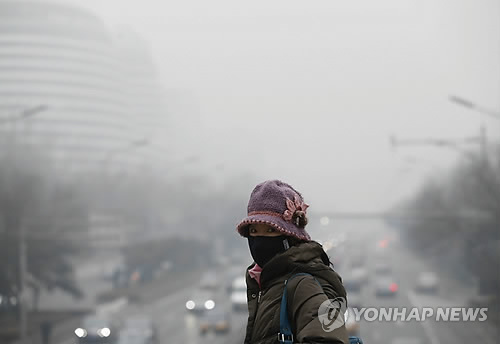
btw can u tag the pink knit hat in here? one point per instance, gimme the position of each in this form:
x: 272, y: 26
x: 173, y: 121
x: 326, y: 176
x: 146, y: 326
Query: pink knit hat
x: 279, y: 205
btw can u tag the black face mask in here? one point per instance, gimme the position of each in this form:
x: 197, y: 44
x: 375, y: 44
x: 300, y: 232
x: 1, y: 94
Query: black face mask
x: 263, y: 248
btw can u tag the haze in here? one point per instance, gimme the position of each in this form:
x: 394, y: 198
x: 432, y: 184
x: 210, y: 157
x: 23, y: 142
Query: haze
x: 309, y: 92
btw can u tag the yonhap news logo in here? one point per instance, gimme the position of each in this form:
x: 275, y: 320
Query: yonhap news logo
x: 407, y: 314
x: 331, y: 313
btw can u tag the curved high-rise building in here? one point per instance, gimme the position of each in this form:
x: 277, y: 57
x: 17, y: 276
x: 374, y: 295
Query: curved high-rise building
x: 100, y: 90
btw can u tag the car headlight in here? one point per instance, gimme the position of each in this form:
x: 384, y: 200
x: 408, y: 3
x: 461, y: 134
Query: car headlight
x: 81, y: 333
x: 209, y: 304
x: 190, y: 304
x: 104, y: 332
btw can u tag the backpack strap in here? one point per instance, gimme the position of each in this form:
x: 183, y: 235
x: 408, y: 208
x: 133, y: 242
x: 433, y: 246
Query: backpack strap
x: 355, y: 340
x: 285, y: 336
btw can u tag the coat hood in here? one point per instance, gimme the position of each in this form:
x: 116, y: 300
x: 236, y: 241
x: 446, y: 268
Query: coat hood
x: 306, y: 257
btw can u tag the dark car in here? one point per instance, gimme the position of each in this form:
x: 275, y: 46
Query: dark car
x: 215, y: 320
x: 8, y: 303
x: 352, y: 284
x: 385, y: 286
x: 96, y: 329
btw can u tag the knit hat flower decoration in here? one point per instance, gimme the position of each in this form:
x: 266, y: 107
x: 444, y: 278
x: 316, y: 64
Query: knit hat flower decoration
x: 295, y: 209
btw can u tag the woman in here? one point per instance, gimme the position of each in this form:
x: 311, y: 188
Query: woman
x: 281, y: 248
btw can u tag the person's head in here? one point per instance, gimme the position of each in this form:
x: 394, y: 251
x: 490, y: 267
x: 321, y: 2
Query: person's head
x: 276, y: 220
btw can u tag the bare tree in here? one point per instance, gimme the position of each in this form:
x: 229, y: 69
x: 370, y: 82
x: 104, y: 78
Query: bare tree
x: 33, y: 195
x: 466, y: 233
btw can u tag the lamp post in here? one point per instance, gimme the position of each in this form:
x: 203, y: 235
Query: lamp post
x: 484, y: 278
x: 473, y: 106
x: 23, y: 266
x: 24, y: 114
x: 482, y: 129
x: 453, y: 144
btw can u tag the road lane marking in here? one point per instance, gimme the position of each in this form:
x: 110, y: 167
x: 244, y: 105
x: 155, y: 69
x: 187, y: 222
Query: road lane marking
x: 429, y: 330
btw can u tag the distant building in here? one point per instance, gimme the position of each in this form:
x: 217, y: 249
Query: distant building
x: 107, y: 232
x: 104, y: 101
x: 101, y: 90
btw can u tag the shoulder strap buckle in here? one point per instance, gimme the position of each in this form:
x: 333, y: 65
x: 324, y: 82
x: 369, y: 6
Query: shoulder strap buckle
x: 285, y: 338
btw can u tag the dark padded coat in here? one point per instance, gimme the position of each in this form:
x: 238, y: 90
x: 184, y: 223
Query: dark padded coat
x: 304, y: 297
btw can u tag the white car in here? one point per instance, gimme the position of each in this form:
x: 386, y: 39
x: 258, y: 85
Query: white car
x: 239, y: 294
x: 209, y: 281
x: 96, y: 329
x: 138, y: 329
x: 360, y: 273
x: 427, y: 282
x: 202, y: 301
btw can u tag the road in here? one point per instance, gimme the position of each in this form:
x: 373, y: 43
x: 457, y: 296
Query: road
x: 177, y: 325
x: 366, y: 236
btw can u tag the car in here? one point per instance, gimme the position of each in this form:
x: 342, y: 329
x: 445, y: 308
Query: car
x: 427, y: 282
x: 127, y: 337
x: 215, y: 320
x: 132, y: 337
x: 8, y: 303
x: 354, y: 300
x: 352, y: 284
x: 239, y: 294
x: 360, y: 273
x: 351, y: 324
x: 386, y: 287
x: 140, y: 328
x: 209, y: 281
x: 200, y: 302
x: 234, y: 272
x: 382, y: 268
x: 358, y: 261
x: 355, y: 280
x: 96, y: 329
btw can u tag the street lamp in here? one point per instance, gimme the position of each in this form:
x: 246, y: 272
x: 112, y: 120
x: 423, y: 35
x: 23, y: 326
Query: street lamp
x: 454, y: 144
x: 482, y: 129
x: 473, y: 106
x: 443, y: 143
x: 24, y: 114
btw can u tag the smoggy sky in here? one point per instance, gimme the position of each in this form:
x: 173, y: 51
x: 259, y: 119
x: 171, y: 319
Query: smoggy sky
x: 309, y: 91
